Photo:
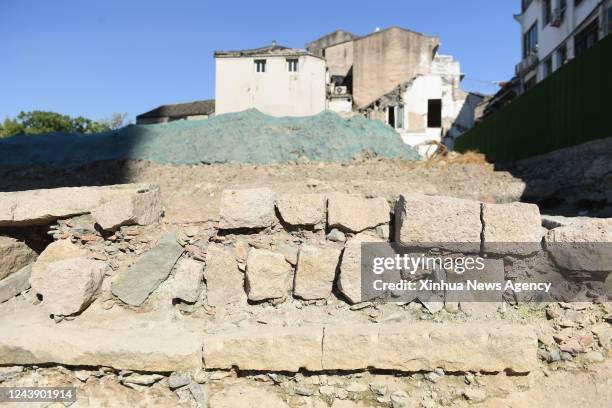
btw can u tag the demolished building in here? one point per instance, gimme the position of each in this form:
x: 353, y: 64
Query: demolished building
x: 397, y: 76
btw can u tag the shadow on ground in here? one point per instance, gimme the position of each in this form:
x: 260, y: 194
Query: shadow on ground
x: 572, y: 181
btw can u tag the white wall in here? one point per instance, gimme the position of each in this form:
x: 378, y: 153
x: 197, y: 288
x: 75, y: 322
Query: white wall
x: 549, y: 37
x: 276, y: 92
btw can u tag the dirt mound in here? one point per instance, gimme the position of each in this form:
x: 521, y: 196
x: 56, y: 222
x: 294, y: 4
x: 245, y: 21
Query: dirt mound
x: 247, y: 137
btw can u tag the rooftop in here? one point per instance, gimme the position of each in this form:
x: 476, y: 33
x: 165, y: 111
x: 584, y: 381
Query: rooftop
x: 272, y: 50
x: 205, y: 107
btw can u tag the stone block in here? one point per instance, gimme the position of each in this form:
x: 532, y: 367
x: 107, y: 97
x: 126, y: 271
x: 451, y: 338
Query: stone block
x: 249, y: 208
x: 354, y: 213
x: 315, y: 273
x: 268, y: 275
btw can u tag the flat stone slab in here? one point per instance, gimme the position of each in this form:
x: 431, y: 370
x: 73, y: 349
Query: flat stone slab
x: 489, y: 346
x: 42, y: 207
x: 151, y: 347
x: 16, y: 283
x: 134, y: 285
x: 14, y: 255
x: 266, y: 349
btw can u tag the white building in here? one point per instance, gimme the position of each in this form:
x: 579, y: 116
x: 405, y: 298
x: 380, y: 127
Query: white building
x: 276, y: 80
x: 555, y: 31
x: 430, y: 106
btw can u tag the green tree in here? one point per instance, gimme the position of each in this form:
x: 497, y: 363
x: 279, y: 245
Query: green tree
x: 36, y: 122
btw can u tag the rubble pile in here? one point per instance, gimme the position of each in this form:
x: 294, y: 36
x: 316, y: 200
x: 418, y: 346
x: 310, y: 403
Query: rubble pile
x: 265, y: 302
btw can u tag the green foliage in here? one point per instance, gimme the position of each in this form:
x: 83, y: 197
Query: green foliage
x: 36, y: 122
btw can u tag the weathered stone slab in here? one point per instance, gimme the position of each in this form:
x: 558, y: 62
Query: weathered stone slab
x: 41, y: 207
x: 57, y: 251
x: 249, y: 208
x: 134, y: 285
x: 224, y: 282
x: 14, y: 255
x: 268, y: 275
x: 68, y: 286
x: 582, y: 246
x: 187, y: 280
x: 249, y: 396
x: 489, y: 346
x: 315, y: 273
x: 158, y: 347
x: 141, y: 207
x: 354, y: 213
x: 302, y: 209
x: 422, y: 219
x: 265, y: 348
x: 514, y: 228
x: 16, y: 283
x: 349, y: 281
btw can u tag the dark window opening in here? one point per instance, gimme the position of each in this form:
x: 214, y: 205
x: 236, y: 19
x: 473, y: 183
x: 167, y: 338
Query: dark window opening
x: 530, y: 41
x: 586, y: 38
x: 546, y: 12
x: 391, y: 110
x: 260, y: 65
x: 292, y: 65
x: 547, y: 67
x: 530, y: 83
x: 434, y: 113
x: 562, y: 56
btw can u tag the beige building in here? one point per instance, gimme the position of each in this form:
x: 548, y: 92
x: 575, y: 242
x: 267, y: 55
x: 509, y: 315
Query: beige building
x: 275, y: 80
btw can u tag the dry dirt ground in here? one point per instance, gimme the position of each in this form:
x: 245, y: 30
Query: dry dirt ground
x: 191, y: 196
x: 192, y: 193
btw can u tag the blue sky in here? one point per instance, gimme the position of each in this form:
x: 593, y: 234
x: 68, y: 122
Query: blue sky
x: 97, y: 57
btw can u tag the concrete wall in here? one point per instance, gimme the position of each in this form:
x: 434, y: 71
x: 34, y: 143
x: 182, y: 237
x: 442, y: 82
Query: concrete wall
x: 276, y: 92
x: 317, y: 47
x: 388, y: 58
x: 339, y: 58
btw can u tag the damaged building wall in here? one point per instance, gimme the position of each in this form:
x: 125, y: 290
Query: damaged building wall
x: 318, y: 46
x: 428, y: 107
x: 387, y: 58
x: 339, y: 59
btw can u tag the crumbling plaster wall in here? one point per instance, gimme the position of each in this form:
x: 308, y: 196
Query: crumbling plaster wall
x: 387, y: 58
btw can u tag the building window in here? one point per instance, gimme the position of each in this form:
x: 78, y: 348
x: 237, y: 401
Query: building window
x: 586, y: 38
x: 546, y: 12
x: 530, y: 41
x: 530, y: 83
x: 434, y: 113
x: 561, y: 56
x: 292, y: 65
x: 260, y: 65
x: 547, y: 67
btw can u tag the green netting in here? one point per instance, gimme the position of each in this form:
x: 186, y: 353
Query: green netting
x: 570, y: 107
x: 248, y: 137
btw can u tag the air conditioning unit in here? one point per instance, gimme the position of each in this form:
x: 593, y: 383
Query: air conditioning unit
x: 527, y: 64
x: 340, y: 90
x: 558, y: 15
